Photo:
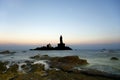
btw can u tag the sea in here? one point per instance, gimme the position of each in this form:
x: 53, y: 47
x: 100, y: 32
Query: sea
x: 97, y: 59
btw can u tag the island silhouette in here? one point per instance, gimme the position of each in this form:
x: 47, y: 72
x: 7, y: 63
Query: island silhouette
x: 60, y: 46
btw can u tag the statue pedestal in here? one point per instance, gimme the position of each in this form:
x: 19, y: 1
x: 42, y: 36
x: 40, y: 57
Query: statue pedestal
x: 61, y: 45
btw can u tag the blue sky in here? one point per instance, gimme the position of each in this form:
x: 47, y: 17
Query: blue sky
x: 81, y: 22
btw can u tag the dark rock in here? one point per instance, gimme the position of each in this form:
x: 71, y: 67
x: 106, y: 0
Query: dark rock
x: 24, y: 51
x: 37, y: 67
x: 41, y: 57
x: 26, y: 68
x: 29, y: 76
x: 114, y: 58
x: 66, y: 63
x: 37, y: 57
x: 93, y: 72
x: 45, y: 57
x: 6, y: 52
x: 69, y: 59
x: 61, y: 75
x: 13, y: 68
x: 28, y: 62
x: 3, y: 67
x: 37, y: 72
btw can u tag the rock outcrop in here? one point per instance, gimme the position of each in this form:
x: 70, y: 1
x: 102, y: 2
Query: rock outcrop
x: 114, y: 58
x: 6, y: 52
x: 67, y: 63
x: 37, y: 71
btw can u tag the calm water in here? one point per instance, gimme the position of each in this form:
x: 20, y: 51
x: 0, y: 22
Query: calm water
x: 99, y: 60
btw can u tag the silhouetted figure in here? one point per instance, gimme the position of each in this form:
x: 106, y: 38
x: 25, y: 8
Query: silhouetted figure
x: 61, y: 45
x: 61, y: 41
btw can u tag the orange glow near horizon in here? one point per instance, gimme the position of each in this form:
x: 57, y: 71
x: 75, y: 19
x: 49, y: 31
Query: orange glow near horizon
x: 80, y: 22
x: 32, y: 41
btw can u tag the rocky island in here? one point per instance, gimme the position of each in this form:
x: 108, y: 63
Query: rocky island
x: 61, y: 46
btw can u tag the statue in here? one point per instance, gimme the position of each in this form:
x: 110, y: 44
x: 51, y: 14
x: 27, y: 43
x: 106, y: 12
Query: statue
x: 61, y: 41
x: 60, y: 46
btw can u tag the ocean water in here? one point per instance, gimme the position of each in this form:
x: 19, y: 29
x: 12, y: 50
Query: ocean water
x: 97, y: 59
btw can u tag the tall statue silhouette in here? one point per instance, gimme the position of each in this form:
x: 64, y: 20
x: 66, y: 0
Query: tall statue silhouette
x: 60, y: 46
x: 61, y: 41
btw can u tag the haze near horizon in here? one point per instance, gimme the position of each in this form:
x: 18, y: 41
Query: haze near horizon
x: 82, y: 23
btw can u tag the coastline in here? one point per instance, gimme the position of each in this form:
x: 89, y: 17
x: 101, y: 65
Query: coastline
x: 46, y: 68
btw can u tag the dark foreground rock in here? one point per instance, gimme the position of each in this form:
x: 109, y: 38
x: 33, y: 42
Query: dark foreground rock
x: 62, y: 68
x: 66, y: 63
x: 114, y: 58
x: 93, y: 72
x: 3, y: 67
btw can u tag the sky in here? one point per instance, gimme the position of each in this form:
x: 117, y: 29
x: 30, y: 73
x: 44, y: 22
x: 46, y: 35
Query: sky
x: 82, y: 23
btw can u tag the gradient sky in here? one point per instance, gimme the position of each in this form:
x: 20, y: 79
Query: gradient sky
x: 81, y: 22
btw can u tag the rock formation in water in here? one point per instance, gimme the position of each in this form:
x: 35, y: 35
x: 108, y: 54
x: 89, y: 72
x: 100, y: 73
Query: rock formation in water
x: 114, y: 58
x: 6, y: 52
x: 61, y: 46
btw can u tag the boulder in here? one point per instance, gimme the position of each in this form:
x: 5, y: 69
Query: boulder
x: 5, y: 52
x: 36, y: 57
x: 69, y: 60
x: 3, y: 67
x: 13, y: 68
x: 66, y: 63
x: 114, y: 58
x: 26, y: 68
x: 37, y: 68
